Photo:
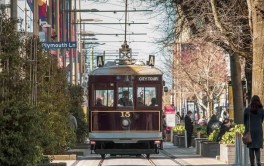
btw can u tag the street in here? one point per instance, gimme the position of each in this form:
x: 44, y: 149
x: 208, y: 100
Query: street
x: 171, y: 155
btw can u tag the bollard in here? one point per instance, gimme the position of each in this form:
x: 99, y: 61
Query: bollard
x: 238, y: 143
x: 245, y: 155
x: 185, y: 134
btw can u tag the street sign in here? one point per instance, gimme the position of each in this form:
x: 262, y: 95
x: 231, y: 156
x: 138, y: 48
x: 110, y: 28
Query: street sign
x: 58, y: 45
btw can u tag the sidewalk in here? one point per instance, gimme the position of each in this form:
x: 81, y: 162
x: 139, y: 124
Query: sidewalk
x: 187, y: 156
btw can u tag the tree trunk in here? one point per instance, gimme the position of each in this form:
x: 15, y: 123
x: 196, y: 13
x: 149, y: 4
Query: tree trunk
x: 258, y: 48
x: 237, y: 88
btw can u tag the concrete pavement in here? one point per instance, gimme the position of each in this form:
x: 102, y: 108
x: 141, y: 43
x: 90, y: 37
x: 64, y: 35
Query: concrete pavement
x: 173, y: 155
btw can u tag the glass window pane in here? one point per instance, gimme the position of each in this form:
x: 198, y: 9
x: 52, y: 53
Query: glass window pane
x: 147, y: 96
x: 125, y: 95
x: 104, y: 95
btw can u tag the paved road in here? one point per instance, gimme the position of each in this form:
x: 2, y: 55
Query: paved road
x: 171, y: 155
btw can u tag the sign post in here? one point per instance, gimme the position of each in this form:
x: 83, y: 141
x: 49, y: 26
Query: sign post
x: 58, y: 45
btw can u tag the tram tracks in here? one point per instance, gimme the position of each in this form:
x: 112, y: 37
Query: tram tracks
x: 152, y: 163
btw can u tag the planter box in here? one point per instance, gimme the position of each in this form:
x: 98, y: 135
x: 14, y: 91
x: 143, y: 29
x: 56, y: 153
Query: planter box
x: 193, y: 141
x: 210, y: 149
x: 181, y: 140
x: 197, y: 142
x: 176, y: 139
x: 228, y: 153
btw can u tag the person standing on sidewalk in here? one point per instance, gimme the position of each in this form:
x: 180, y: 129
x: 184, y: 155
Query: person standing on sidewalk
x: 256, y: 113
x: 188, y: 128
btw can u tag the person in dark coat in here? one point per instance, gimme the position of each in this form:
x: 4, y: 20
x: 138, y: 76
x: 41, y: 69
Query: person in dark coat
x: 256, y: 113
x: 224, y: 128
x: 188, y: 128
x: 212, y: 124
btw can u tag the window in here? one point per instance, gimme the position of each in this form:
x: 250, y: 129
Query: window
x: 104, y: 95
x: 147, y: 96
x: 125, y: 95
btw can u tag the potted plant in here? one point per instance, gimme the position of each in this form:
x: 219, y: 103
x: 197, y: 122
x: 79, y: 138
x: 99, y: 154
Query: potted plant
x: 211, y: 148
x: 227, y: 144
x: 201, y: 136
x: 179, y: 135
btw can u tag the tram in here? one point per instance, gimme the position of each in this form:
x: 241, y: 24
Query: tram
x: 125, y: 108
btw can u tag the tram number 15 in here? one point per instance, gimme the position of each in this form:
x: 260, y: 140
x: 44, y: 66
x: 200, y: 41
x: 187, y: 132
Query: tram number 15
x: 125, y: 114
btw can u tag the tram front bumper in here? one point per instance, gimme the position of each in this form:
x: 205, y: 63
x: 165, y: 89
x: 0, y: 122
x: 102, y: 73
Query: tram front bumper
x: 126, y: 137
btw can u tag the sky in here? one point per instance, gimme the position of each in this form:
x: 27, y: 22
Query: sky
x: 142, y: 45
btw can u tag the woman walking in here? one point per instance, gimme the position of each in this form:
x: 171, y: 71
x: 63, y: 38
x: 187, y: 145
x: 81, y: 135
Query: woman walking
x: 255, y: 112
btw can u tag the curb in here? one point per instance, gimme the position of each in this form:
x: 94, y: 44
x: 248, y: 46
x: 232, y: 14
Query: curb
x: 62, y: 157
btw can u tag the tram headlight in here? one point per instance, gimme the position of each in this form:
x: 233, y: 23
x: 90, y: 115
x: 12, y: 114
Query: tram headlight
x: 125, y: 122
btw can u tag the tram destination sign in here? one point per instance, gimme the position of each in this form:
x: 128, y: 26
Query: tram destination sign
x: 58, y: 45
x: 148, y: 78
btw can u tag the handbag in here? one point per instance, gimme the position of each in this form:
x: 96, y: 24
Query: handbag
x: 247, y: 139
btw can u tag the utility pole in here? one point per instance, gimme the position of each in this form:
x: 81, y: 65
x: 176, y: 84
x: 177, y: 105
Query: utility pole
x: 76, y: 50
x: 14, y: 11
x: 49, y: 19
x: 25, y: 17
x: 80, y: 45
x: 63, y: 32
x: 35, y: 18
x: 57, y: 23
x: 91, y: 60
x: 71, y: 50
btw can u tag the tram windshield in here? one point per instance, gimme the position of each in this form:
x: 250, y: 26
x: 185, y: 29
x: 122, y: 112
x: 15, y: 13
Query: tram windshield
x: 125, y: 95
x: 147, y: 96
x: 104, y: 95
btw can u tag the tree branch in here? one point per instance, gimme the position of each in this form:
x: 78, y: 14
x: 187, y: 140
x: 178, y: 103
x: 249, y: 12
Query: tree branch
x: 224, y: 31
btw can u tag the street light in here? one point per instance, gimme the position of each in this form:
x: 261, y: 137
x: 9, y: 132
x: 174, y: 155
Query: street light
x: 94, y: 19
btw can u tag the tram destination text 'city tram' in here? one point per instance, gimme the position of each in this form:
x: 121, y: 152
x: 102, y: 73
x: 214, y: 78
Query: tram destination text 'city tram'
x: 125, y: 109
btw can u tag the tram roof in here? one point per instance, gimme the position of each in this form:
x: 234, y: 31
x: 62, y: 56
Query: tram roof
x: 126, y: 70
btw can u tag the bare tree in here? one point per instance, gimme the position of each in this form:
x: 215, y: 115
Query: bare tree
x: 224, y: 23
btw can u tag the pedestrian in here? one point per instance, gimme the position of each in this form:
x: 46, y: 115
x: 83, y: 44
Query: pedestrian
x: 256, y: 113
x: 213, y: 124
x: 224, y: 128
x: 224, y: 115
x: 72, y: 122
x: 164, y: 126
x: 188, y: 128
x: 178, y: 118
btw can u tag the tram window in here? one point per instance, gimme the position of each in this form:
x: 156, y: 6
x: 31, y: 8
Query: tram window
x: 125, y: 95
x: 147, y: 96
x: 104, y: 95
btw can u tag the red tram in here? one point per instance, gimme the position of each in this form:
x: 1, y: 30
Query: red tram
x: 125, y: 107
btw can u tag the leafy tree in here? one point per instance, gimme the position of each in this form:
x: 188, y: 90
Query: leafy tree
x: 76, y: 94
x: 20, y: 122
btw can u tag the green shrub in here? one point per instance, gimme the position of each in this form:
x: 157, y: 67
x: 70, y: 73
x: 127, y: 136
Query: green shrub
x: 76, y: 94
x: 213, y: 136
x: 179, y: 129
x: 203, y: 132
x: 230, y: 137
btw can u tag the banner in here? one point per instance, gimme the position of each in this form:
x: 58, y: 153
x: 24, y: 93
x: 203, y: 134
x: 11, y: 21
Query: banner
x: 230, y: 105
x: 169, y: 111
